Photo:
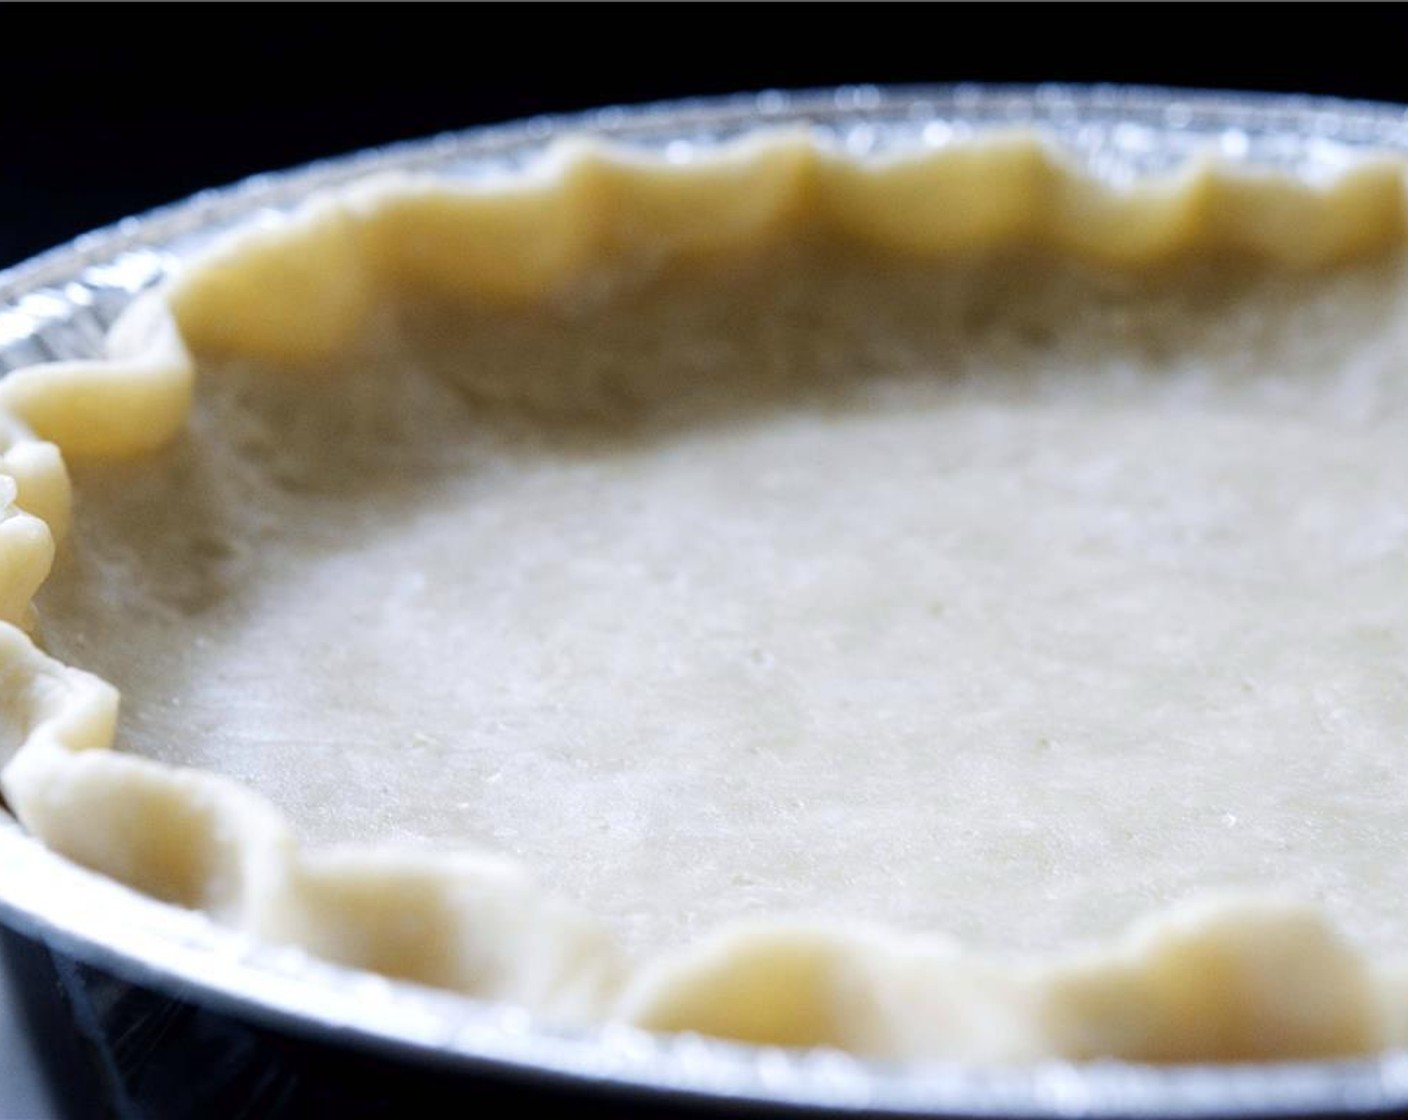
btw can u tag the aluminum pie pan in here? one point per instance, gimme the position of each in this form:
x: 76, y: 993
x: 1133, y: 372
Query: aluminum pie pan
x: 58, y: 305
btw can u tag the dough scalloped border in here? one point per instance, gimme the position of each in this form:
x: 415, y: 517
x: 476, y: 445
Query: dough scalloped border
x: 1215, y: 979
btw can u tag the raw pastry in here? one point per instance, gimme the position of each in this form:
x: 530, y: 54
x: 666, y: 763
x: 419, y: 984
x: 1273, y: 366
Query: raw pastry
x: 934, y: 606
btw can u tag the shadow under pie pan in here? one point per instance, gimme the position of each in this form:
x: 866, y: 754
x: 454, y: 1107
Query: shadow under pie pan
x: 1296, y: 209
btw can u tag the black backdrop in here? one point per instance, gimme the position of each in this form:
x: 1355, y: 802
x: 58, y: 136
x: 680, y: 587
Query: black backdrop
x: 113, y: 109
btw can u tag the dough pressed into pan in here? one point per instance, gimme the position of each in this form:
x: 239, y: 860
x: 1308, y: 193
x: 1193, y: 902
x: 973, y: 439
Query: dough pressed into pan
x: 937, y: 606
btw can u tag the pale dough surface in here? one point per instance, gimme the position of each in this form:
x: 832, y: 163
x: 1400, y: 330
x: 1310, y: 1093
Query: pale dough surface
x: 938, y: 605
x: 1010, y: 599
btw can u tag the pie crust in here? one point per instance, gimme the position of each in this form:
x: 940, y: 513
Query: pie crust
x: 1241, y: 974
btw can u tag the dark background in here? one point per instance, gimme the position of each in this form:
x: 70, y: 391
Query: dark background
x: 114, y: 109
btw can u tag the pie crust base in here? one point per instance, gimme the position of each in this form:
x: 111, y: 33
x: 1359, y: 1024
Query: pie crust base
x: 1221, y: 978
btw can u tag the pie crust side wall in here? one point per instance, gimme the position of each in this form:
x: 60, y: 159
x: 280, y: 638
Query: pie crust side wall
x: 1215, y: 979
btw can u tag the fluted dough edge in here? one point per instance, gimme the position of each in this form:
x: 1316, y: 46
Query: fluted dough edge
x: 1219, y: 979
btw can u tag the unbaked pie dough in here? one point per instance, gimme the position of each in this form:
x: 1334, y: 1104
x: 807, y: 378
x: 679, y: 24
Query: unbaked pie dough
x: 935, y: 606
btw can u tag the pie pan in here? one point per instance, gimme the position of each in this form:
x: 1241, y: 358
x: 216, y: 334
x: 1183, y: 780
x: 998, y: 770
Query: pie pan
x: 59, y: 306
